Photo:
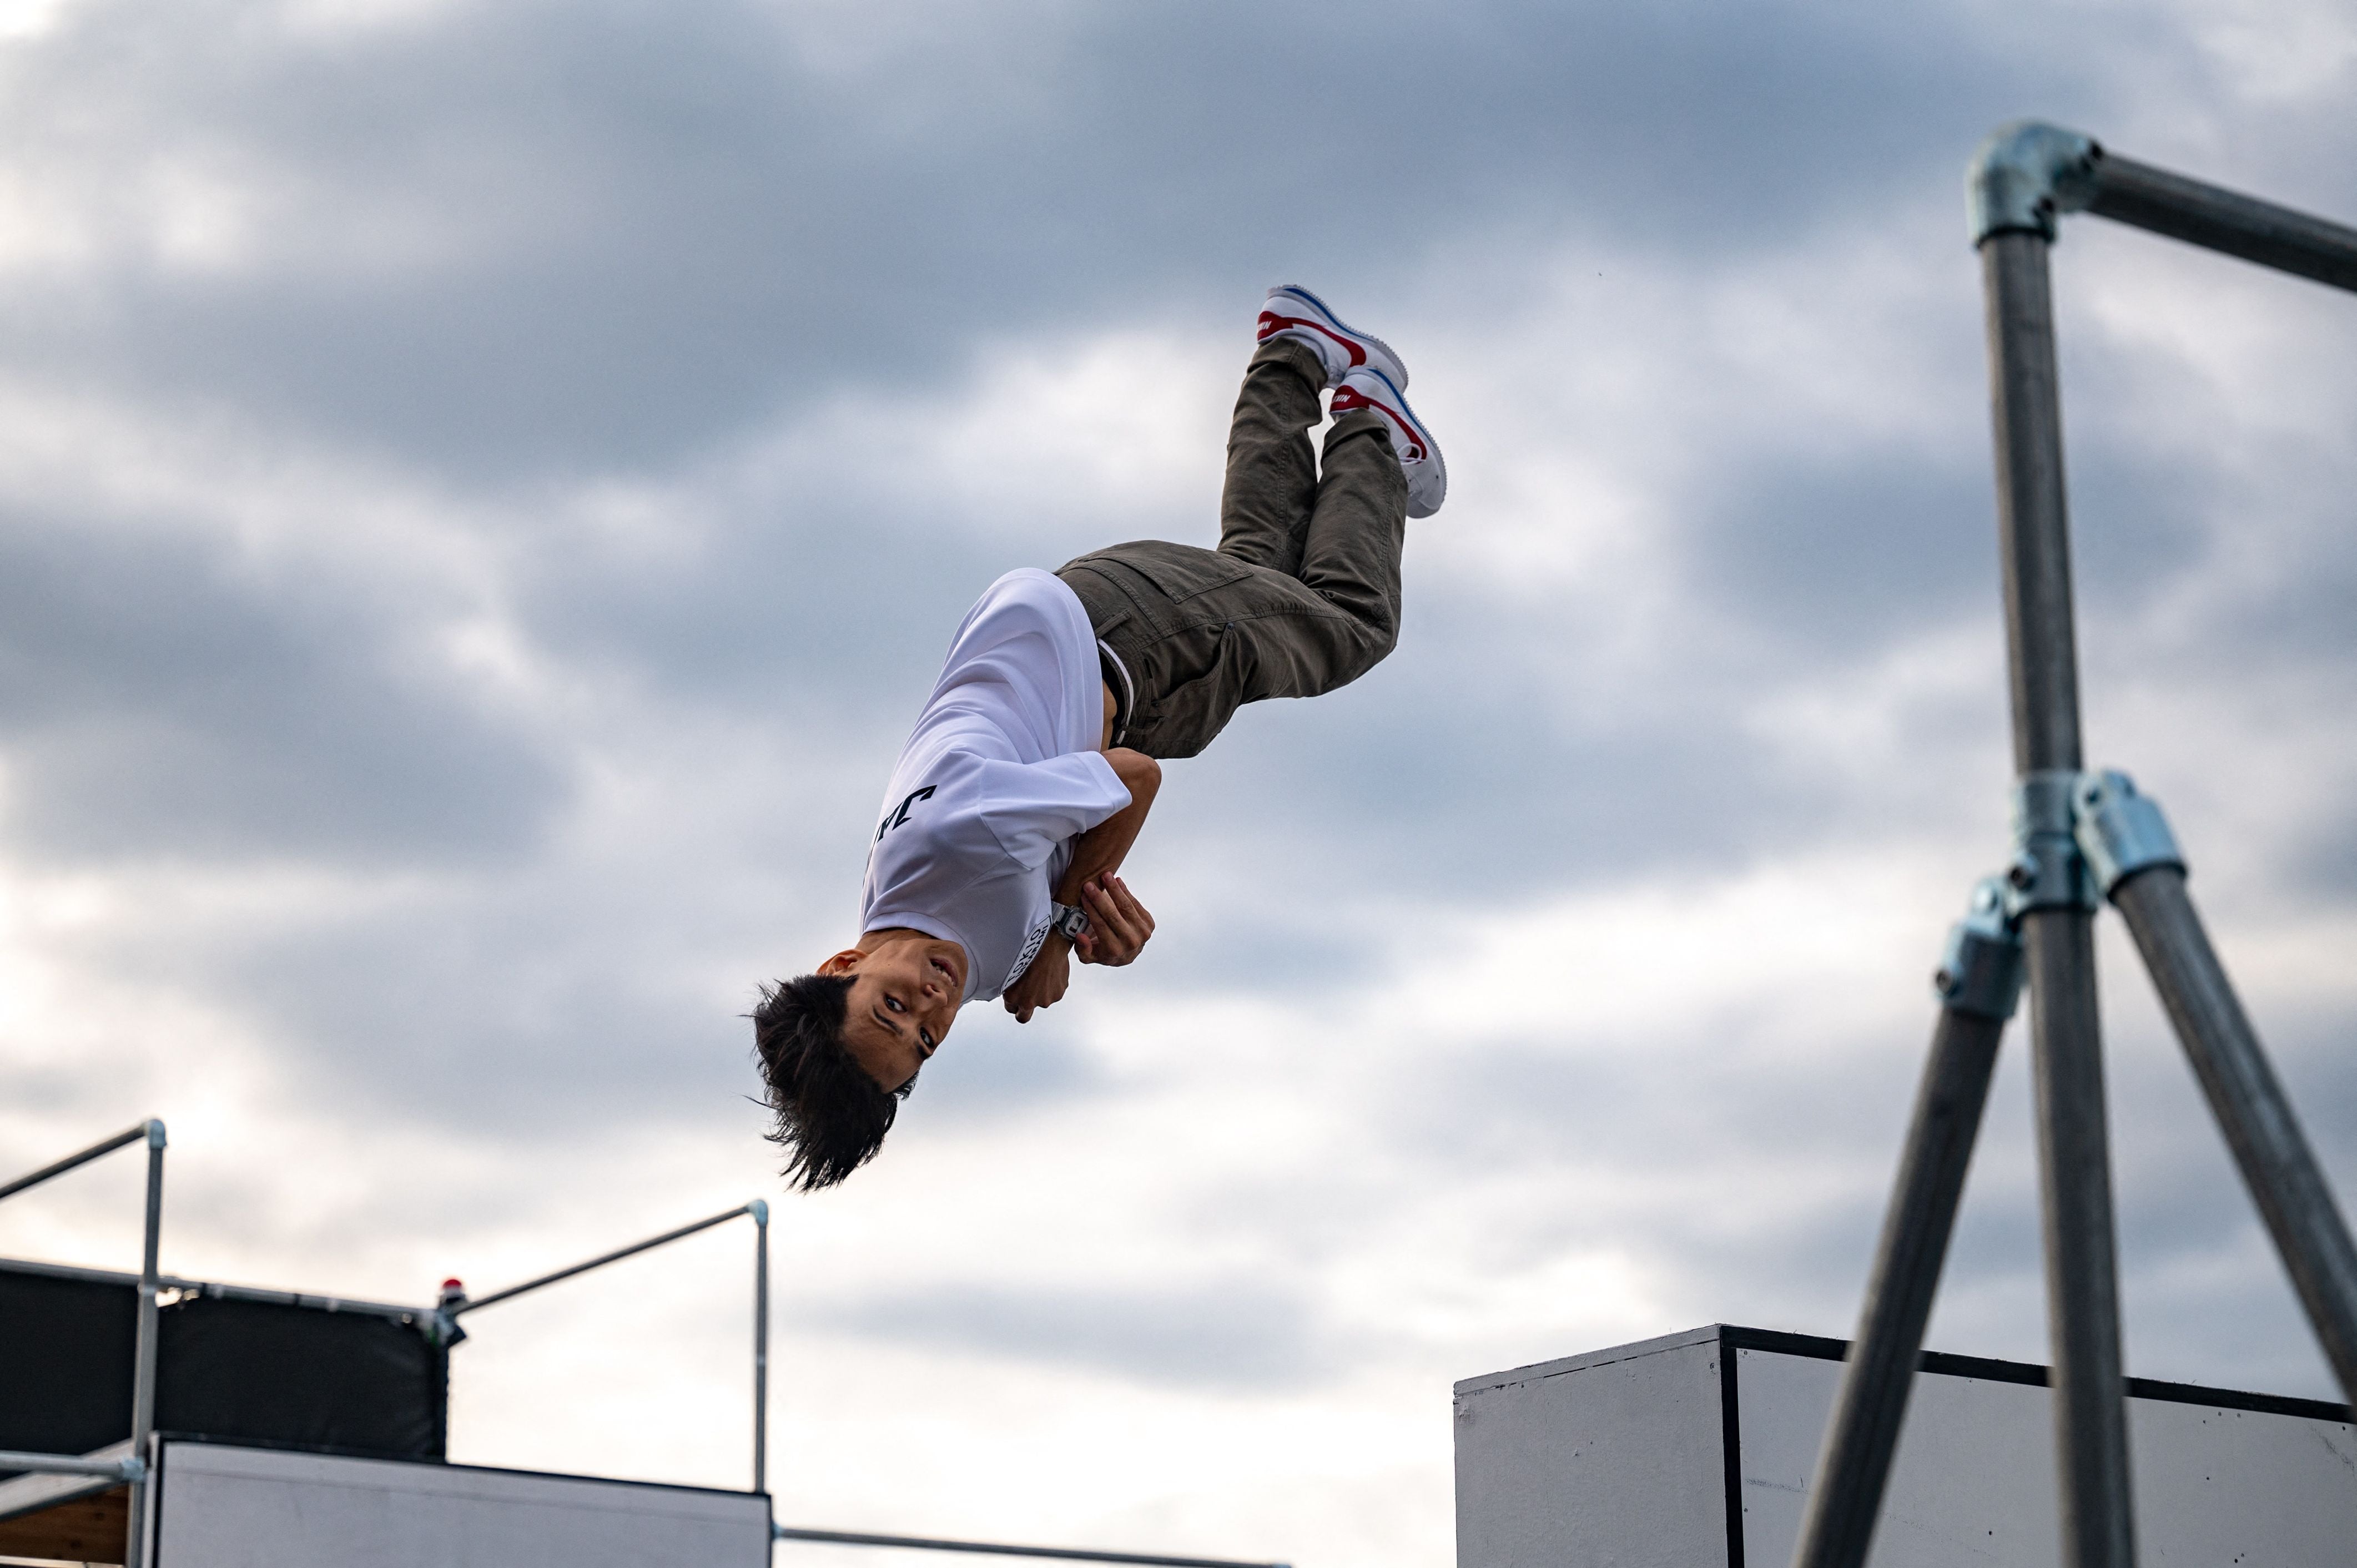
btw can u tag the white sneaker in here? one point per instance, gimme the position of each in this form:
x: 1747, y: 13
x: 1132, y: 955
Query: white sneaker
x: 1292, y: 311
x: 1419, y: 454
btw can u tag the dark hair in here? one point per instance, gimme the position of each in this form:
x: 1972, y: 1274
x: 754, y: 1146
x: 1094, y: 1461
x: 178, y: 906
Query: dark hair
x: 832, y: 1117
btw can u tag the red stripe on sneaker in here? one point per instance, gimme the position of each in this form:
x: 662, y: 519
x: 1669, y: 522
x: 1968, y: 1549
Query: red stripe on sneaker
x: 1272, y: 323
x: 1345, y: 398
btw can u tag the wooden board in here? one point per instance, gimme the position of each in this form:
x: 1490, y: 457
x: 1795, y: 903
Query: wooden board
x: 87, y: 1529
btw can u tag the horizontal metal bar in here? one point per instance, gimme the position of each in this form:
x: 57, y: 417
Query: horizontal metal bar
x: 124, y: 1469
x: 216, y: 1291
x: 2219, y: 220
x: 600, y: 1263
x: 132, y: 1135
x: 995, y: 1549
x: 21, y: 1495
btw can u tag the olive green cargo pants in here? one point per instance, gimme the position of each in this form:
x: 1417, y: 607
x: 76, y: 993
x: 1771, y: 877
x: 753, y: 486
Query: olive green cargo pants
x: 1303, y: 593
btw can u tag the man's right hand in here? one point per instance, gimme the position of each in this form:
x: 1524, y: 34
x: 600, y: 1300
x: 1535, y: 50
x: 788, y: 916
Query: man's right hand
x: 1119, y: 926
x: 1043, y: 981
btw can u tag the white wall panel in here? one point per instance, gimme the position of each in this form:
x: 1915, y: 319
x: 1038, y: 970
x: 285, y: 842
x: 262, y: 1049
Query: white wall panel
x: 1624, y: 1458
x: 221, y: 1506
x: 1618, y: 1452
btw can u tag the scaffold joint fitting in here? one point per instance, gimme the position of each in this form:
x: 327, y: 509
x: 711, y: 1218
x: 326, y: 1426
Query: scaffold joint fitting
x: 2120, y: 831
x: 1981, y: 970
x: 2047, y: 871
x: 2025, y: 173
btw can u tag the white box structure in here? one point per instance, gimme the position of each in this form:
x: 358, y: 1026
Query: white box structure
x: 219, y: 1506
x: 1695, y: 1451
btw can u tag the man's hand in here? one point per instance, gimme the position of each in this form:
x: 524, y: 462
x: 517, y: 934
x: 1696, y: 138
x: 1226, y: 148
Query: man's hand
x: 1043, y: 982
x: 1119, y: 926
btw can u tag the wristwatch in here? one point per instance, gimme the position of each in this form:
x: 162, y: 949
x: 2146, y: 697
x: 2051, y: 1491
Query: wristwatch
x: 1068, y: 921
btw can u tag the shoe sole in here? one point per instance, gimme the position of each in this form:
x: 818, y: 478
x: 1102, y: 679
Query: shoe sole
x: 1406, y: 415
x: 1380, y: 354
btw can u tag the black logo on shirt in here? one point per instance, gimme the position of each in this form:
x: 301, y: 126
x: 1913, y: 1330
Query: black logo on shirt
x: 895, y: 819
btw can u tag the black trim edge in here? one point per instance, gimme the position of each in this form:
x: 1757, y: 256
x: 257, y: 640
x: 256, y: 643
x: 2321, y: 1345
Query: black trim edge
x: 1989, y: 1369
x: 1731, y: 1442
x: 157, y: 1475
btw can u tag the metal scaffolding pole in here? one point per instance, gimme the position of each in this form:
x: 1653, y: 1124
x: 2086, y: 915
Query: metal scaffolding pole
x: 2076, y: 833
x: 104, y: 1147
x: 142, y: 1376
x: 760, y: 1210
x: 475, y: 1304
x: 998, y: 1549
x: 2057, y: 923
x: 134, y: 1467
x: 2252, y: 1109
x: 1980, y: 982
x: 2218, y: 220
x: 64, y: 1463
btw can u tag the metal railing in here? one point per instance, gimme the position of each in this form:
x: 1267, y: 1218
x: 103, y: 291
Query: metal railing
x: 132, y: 1466
x: 1070, y: 1554
x: 104, y: 1473
x: 997, y: 1549
x: 759, y: 1210
x: 458, y: 1308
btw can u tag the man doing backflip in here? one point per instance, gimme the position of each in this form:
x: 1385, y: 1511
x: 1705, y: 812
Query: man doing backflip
x: 994, y: 860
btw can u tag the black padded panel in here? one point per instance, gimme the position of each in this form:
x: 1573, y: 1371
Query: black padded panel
x: 251, y: 1372
x: 65, y: 1362
x: 351, y: 1381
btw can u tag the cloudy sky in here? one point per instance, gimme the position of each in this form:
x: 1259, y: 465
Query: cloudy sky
x: 484, y: 488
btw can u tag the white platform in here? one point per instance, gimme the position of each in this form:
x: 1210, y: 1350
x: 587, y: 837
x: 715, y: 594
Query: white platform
x: 1695, y: 1450
x: 222, y: 1507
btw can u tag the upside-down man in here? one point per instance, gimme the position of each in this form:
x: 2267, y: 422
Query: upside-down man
x: 996, y: 859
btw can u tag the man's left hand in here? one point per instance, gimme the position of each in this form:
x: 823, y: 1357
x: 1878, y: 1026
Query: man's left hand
x: 1119, y: 927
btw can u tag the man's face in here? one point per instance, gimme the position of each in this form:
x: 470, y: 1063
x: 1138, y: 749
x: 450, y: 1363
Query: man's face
x: 905, y: 993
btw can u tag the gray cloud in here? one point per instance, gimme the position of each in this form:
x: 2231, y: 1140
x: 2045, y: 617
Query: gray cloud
x: 635, y: 228
x: 1226, y: 1334
x: 161, y: 697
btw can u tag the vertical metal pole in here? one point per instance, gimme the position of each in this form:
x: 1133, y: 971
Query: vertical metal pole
x: 761, y: 1212
x: 2082, y: 1266
x: 2251, y: 1107
x: 2032, y: 512
x: 142, y: 1376
x: 2082, y: 1310
x: 1846, y: 1492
